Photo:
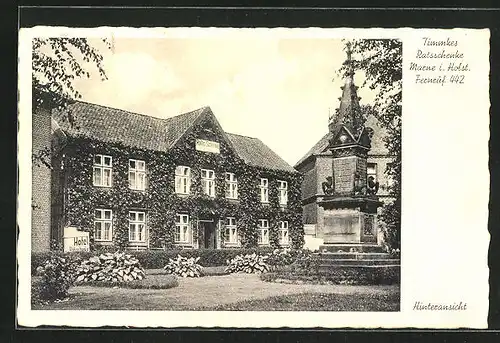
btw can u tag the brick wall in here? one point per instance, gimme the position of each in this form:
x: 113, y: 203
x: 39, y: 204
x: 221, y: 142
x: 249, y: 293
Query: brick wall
x: 40, y: 224
x: 323, y: 169
x: 308, y: 186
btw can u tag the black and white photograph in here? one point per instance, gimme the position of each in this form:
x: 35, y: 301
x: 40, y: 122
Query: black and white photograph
x: 179, y: 177
x: 216, y: 174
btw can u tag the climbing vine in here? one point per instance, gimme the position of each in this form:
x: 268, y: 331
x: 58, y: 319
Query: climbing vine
x: 159, y: 200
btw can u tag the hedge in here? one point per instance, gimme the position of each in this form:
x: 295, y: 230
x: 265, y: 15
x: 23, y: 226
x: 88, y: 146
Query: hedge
x: 157, y: 259
x: 350, y: 275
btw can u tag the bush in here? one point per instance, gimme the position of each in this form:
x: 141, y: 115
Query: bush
x: 351, y: 275
x: 57, y: 276
x: 117, y: 267
x: 250, y: 263
x: 184, y: 266
x: 214, y: 271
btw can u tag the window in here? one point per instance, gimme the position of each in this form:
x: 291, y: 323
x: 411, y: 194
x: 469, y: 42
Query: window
x: 263, y: 231
x: 182, y: 179
x: 208, y: 182
x: 264, y: 190
x: 231, y: 232
x: 137, y: 226
x: 182, y: 228
x: 137, y: 174
x: 102, y: 170
x: 283, y: 192
x: 371, y: 170
x: 231, y: 186
x: 283, y: 232
x: 103, y: 224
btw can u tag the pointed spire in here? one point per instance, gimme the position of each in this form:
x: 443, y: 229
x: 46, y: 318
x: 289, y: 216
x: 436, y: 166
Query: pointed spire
x: 349, y: 113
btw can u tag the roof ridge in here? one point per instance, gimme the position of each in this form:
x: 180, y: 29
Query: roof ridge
x: 237, y: 134
x: 119, y: 109
x: 201, y: 109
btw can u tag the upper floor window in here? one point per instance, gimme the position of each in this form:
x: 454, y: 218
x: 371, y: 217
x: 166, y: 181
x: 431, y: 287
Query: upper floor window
x: 137, y: 174
x: 231, y: 231
x: 263, y: 237
x: 182, y: 179
x: 102, y: 170
x: 283, y: 192
x: 371, y: 170
x: 182, y: 232
x: 283, y: 233
x: 264, y: 190
x: 231, y: 186
x: 103, y: 225
x: 208, y: 182
x: 137, y: 226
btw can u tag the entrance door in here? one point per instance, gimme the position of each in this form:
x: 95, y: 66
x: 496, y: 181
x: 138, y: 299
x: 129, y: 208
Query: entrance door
x: 209, y: 238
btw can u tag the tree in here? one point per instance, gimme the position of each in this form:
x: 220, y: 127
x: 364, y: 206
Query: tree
x: 56, y: 63
x: 381, y: 61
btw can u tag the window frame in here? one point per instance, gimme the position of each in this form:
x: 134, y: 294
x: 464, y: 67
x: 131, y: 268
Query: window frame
x: 375, y: 174
x: 280, y: 192
x: 208, y: 182
x: 233, y: 181
x: 185, y: 179
x: 136, y: 222
x: 178, y: 226
x: 230, y: 227
x: 103, y: 221
x: 264, y: 190
x: 102, y: 167
x: 136, y: 172
x: 281, y: 229
x: 262, y: 229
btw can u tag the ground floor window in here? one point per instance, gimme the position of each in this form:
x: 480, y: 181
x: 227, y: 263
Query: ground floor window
x: 231, y: 231
x: 263, y: 232
x: 283, y: 233
x: 103, y: 223
x: 137, y: 226
x: 182, y: 231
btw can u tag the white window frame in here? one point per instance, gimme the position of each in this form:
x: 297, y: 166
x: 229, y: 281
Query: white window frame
x: 230, y: 231
x: 263, y: 232
x: 231, y: 186
x: 181, y: 235
x: 284, y: 233
x: 264, y: 190
x: 207, y: 182
x: 100, y: 168
x: 283, y: 192
x: 374, y: 174
x: 182, y: 180
x: 102, y: 221
x: 138, y: 225
x: 136, y: 173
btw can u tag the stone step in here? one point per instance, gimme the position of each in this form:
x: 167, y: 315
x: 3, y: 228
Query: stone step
x: 354, y: 256
x: 351, y: 262
x: 351, y: 247
x: 323, y: 269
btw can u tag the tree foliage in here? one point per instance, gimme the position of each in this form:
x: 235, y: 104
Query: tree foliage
x: 381, y: 61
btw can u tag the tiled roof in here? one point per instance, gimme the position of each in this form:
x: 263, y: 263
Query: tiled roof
x: 145, y: 132
x: 254, y: 152
x: 317, y: 148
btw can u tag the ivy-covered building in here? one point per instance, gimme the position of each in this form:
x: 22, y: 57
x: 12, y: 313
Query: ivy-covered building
x: 140, y: 182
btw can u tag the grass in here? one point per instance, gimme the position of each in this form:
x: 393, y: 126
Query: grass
x: 155, y: 281
x: 316, y: 302
x: 206, y: 271
x: 225, y: 291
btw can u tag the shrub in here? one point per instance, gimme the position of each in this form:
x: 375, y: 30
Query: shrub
x: 57, y: 276
x: 250, y: 263
x: 214, y: 271
x: 117, y: 267
x: 184, y: 266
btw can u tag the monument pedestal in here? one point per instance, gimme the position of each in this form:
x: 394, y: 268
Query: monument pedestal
x: 350, y: 219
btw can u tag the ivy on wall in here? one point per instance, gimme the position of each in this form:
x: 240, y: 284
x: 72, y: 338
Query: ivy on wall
x: 161, y: 203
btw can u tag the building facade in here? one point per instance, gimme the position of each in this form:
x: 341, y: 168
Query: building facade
x: 318, y: 168
x: 140, y: 182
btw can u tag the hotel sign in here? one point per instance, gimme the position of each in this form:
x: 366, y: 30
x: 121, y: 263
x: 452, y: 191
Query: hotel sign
x: 75, y: 240
x: 207, y: 146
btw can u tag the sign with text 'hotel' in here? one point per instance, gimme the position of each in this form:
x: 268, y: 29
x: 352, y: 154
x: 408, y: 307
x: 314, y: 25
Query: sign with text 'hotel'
x: 207, y: 146
x: 75, y: 240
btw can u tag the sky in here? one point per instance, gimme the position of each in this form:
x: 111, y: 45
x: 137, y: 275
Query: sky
x: 279, y: 90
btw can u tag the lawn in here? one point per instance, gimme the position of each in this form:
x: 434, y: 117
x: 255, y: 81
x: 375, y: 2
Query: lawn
x: 232, y: 292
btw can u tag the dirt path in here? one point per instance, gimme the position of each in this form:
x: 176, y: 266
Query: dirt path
x: 199, y: 292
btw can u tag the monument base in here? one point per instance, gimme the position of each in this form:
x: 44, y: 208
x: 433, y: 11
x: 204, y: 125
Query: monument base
x: 349, y: 219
